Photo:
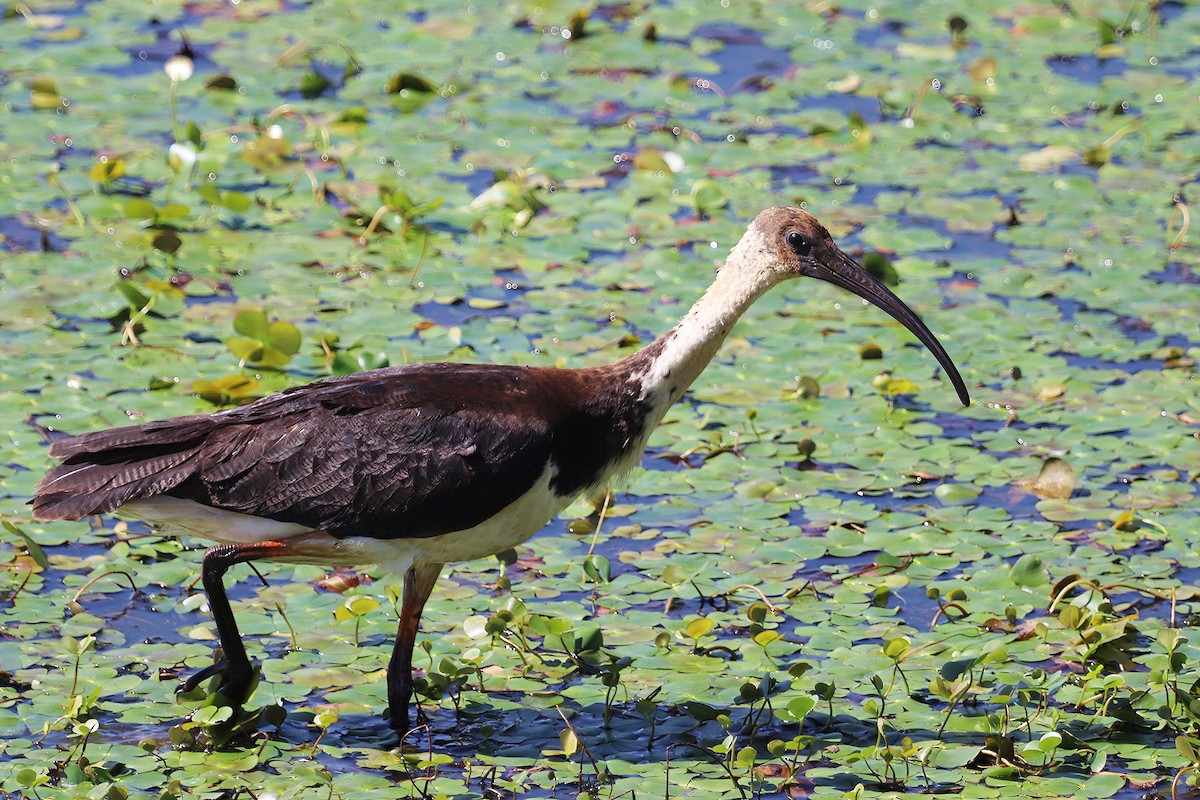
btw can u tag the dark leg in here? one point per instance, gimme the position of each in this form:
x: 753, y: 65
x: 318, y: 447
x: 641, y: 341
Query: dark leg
x: 418, y: 583
x: 234, y: 667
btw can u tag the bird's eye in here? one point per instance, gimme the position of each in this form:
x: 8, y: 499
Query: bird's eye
x: 799, y: 243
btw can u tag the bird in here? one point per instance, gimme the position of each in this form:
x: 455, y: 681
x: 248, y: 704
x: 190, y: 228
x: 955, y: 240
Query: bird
x: 412, y: 467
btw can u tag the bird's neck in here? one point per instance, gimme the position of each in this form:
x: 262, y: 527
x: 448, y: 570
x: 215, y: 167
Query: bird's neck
x: 672, y: 362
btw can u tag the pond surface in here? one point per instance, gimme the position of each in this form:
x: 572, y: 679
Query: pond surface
x: 821, y: 579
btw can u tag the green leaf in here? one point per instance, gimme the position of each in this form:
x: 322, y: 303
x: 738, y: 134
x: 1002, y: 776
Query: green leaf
x: 699, y: 627
x: 764, y: 638
x: 173, y: 211
x: 881, y: 267
x: 29, y: 778
x: 227, y: 390
x: 136, y: 298
x: 360, y: 605
x: 139, y: 208
x: 408, y: 82
x: 237, y: 202
x: 1029, y: 571
x: 193, y: 134
x: 701, y: 711
x: 284, y: 337
x: 799, y: 707
x: 312, y: 84
x: 35, y: 551
x: 166, y: 242
x: 896, y: 648
x: 707, y: 196
x: 475, y: 626
x: 248, y: 350
x: 597, y: 568
x: 956, y: 494
x: 252, y: 323
x: 209, y: 192
x: 212, y: 715
x: 1049, y: 741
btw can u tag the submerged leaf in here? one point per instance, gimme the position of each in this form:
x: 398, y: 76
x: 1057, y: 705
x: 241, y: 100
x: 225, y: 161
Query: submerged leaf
x: 1056, y: 480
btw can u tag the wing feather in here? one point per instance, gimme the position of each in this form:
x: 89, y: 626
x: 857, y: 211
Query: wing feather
x: 405, y: 452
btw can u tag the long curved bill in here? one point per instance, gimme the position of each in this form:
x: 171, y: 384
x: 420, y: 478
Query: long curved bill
x: 841, y: 270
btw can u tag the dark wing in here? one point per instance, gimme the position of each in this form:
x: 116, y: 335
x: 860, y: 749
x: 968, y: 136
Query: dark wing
x: 404, y: 452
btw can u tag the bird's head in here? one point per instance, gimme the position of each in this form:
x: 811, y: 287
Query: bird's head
x: 794, y: 244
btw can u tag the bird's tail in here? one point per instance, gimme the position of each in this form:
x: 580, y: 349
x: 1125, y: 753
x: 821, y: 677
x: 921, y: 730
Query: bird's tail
x: 105, y: 469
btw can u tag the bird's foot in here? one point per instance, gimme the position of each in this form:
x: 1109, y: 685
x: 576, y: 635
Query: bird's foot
x: 237, y: 682
x: 219, y: 719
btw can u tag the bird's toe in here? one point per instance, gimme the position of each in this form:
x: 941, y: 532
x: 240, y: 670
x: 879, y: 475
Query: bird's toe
x: 237, y: 682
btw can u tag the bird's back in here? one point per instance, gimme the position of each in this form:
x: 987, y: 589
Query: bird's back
x: 406, y: 451
x: 409, y: 451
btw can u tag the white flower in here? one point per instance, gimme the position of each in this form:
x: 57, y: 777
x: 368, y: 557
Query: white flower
x: 179, y: 68
x: 181, y: 157
x: 674, y: 161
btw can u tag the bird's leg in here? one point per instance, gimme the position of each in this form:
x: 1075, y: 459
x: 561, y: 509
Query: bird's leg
x: 418, y: 583
x: 234, y: 667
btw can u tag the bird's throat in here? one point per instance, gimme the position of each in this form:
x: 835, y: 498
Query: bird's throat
x: 681, y: 354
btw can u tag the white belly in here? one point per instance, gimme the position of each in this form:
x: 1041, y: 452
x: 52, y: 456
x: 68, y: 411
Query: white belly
x: 515, y: 523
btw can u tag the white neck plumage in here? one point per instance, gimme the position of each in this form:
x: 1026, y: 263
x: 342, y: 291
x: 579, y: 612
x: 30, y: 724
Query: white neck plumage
x: 682, y: 353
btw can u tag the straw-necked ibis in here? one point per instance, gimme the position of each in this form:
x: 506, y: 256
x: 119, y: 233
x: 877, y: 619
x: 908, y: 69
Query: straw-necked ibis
x: 412, y: 467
